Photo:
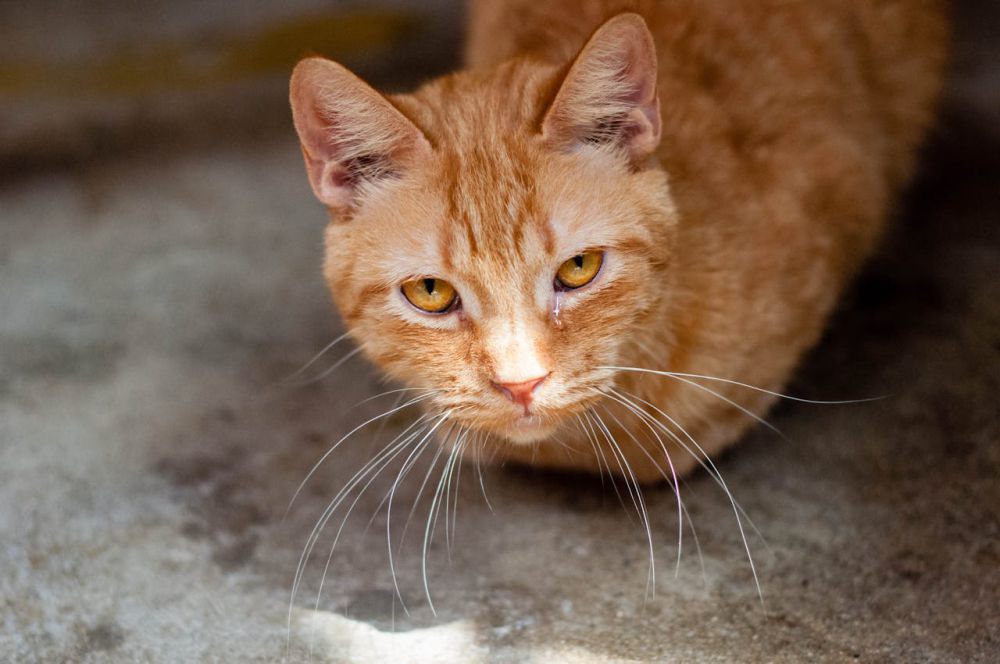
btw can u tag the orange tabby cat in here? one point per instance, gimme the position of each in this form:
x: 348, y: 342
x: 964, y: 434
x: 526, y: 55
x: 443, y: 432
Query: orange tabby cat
x: 686, y: 190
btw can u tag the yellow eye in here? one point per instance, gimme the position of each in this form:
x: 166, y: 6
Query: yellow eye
x: 431, y: 295
x: 580, y: 270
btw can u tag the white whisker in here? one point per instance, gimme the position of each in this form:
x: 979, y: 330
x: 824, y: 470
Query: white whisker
x: 373, y: 464
x: 742, y: 511
x: 431, y: 520
x: 336, y: 365
x: 678, y: 374
x: 637, y: 499
x: 697, y: 544
x: 709, y: 390
x: 399, y: 390
x: 600, y: 452
x: 423, y: 485
x: 398, y: 449
x: 600, y: 468
x: 672, y: 480
x: 404, y: 470
x: 315, y: 358
x: 463, y: 442
x: 345, y: 437
x: 457, y: 446
x: 479, y: 470
x: 707, y: 463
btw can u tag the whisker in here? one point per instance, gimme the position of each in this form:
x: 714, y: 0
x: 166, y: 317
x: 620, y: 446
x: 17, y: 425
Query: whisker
x: 326, y: 372
x: 407, y: 465
x: 697, y: 545
x: 479, y: 470
x: 637, y: 499
x: 600, y: 452
x: 374, y: 475
x: 385, y: 421
x: 420, y: 491
x: 714, y: 472
x: 600, y: 469
x: 377, y: 468
x: 742, y: 409
x: 404, y: 471
x: 742, y: 511
x: 432, y: 512
x: 298, y: 372
x: 457, y: 446
x: 678, y: 374
x: 424, y: 418
x: 328, y: 512
x: 463, y: 442
x: 401, y: 389
x: 382, y: 503
x: 672, y: 480
x: 336, y: 365
x: 345, y: 437
x: 423, y: 484
x: 382, y: 423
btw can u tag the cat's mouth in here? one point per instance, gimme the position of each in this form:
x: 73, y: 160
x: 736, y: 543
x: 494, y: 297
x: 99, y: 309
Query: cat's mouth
x: 531, y: 425
x: 523, y: 427
x: 529, y: 428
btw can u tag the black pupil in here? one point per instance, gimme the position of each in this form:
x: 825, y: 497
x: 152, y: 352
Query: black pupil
x: 429, y: 285
x: 578, y: 261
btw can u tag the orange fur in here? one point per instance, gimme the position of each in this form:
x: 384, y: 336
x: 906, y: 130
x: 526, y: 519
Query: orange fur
x: 736, y: 176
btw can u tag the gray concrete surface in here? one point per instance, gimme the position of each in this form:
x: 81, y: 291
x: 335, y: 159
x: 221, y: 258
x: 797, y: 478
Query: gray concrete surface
x: 149, y: 304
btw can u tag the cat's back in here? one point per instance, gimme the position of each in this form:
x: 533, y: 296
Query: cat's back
x: 753, y: 68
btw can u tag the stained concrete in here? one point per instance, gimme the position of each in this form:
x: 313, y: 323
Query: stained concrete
x: 152, y: 303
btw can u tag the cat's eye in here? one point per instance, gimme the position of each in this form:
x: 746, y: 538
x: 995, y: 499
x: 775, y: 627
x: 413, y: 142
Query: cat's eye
x: 580, y: 270
x: 435, y: 296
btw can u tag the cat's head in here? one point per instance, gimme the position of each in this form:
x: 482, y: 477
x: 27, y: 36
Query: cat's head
x: 500, y: 235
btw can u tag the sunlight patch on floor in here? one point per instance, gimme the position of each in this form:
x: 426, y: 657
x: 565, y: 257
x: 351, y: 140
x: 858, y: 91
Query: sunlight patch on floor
x: 343, y: 639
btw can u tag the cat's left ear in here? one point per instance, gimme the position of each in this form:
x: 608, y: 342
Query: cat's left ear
x: 609, y: 95
x: 351, y: 135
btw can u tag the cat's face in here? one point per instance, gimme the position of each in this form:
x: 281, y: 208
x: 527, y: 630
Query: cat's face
x: 498, y: 252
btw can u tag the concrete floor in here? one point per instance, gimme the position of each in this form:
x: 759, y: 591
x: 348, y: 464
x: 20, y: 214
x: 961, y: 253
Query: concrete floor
x: 151, y: 302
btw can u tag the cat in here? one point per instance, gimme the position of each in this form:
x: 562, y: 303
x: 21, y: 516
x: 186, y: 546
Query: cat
x: 606, y: 243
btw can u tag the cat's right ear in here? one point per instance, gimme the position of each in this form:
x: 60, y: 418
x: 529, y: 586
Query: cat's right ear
x: 351, y: 135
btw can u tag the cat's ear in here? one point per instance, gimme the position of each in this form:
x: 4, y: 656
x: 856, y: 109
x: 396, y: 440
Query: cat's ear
x: 609, y: 94
x: 351, y: 135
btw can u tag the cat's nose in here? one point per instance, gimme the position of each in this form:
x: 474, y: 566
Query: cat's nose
x: 520, y: 392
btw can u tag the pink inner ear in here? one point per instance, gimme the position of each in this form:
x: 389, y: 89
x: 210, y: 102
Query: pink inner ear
x: 349, y: 132
x: 331, y: 183
x: 609, y: 94
x: 329, y: 179
x: 644, y: 128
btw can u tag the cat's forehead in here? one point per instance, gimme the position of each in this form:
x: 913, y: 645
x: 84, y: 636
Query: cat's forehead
x: 470, y: 107
x: 493, y: 199
x: 490, y: 173
x: 505, y: 201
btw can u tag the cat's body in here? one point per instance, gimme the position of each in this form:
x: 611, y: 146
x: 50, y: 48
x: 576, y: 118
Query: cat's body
x: 785, y: 129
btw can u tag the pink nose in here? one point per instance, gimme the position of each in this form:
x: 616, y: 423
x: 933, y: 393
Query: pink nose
x: 520, y: 393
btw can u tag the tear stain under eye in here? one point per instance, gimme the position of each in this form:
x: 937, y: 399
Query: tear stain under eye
x: 557, y: 297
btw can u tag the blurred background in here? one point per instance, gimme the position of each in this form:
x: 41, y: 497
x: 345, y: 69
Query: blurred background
x: 159, y: 275
x: 81, y: 80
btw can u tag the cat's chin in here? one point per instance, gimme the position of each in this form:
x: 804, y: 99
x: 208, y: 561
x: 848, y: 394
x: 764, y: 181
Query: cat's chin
x: 530, y: 429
